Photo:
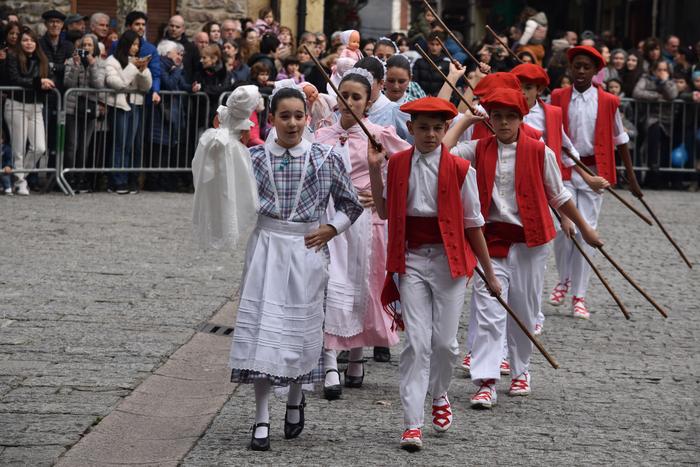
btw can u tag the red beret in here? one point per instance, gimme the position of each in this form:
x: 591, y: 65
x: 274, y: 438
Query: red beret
x: 586, y: 50
x: 430, y: 105
x: 531, y: 73
x: 510, y: 98
x: 496, y: 81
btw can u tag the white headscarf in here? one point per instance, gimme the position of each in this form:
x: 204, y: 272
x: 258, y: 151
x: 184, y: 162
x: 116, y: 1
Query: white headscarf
x: 239, y: 105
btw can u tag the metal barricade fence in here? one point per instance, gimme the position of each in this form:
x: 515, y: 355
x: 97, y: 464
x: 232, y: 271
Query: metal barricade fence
x: 28, y: 126
x: 126, y: 134
x: 664, y: 136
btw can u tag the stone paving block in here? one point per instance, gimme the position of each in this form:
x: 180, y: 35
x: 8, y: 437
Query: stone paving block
x: 146, y: 404
x: 36, y: 456
x: 226, y: 315
x: 134, y: 428
x: 165, y: 387
x: 194, y: 371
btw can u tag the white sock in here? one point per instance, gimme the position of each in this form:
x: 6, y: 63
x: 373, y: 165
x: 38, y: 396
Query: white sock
x: 440, y: 401
x: 355, y: 369
x: 262, y: 408
x: 294, y: 398
x: 330, y: 363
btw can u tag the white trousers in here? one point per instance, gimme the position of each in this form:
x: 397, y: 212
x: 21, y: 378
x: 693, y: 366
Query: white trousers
x: 26, y: 125
x: 570, y: 263
x: 431, y: 304
x: 522, y: 276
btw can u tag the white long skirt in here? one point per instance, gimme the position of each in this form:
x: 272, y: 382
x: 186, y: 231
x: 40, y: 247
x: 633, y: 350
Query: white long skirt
x: 279, y: 326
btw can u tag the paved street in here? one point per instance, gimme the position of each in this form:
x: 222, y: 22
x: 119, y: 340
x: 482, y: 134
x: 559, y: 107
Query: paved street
x: 99, y: 291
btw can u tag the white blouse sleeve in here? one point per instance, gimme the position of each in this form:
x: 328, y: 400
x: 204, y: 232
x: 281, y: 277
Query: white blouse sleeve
x: 620, y: 136
x: 553, y: 185
x: 465, y: 150
x: 470, y: 201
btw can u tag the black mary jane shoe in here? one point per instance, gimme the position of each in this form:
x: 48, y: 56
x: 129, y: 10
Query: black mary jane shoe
x: 333, y: 392
x: 382, y: 354
x: 260, y: 444
x: 354, y: 381
x: 292, y: 430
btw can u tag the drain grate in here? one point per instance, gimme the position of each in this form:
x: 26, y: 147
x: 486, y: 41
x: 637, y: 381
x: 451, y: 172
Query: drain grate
x: 218, y: 329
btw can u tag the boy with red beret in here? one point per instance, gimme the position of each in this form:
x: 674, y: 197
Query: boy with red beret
x: 594, y: 125
x: 547, y: 119
x: 518, y: 179
x: 434, y: 220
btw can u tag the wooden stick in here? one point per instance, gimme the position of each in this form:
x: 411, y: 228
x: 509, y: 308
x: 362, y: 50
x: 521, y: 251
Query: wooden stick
x: 633, y: 283
x: 668, y: 236
x: 522, y: 326
x: 498, y: 39
x: 454, y: 88
x: 588, y: 259
x: 610, y: 190
x: 455, y: 62
x: 450, y: 33
x: 370, y: 137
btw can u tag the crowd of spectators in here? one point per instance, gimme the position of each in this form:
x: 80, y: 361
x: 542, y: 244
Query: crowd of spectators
x: 76, y: 51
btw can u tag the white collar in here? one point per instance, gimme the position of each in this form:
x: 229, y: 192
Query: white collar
x: 381, y: 102
x: 585, y: 95
x: 275, y: 149
x: 428, y: 155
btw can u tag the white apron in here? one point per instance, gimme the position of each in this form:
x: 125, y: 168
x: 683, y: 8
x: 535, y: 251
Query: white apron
x: 279, y: 326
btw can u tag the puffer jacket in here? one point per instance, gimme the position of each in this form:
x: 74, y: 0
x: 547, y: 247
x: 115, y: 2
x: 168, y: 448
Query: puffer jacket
x: 126, y: 80
x: 81, y: 76
x: 429, y: 80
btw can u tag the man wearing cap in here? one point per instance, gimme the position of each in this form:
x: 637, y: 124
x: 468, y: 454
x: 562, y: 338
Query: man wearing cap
x: 75, y: 22
x: 518, y: 179
x: 57, y: 50
x: 547, y: 119
x: 434, y: 222
x: 594, y: 125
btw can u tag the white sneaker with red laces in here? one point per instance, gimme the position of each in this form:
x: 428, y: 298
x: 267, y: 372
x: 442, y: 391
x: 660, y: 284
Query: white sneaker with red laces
x: 579, y: 307
x: 520, y: 385
x: 442, y: 414
x: 467, y: 363
x: 485, y: 397
x: 505, y: 367
x: 558, y: 295
x: 412, y: 439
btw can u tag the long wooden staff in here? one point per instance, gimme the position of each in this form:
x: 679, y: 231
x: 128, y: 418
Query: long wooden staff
x: 454, y: 88
x: 609, y: 189
x: 450, y: 33
x: 633, y: 283
x: 665, y: 232
x: 370, y: 137
x: 578, y: 246
x: 498, y: 39
x: 522, y: 326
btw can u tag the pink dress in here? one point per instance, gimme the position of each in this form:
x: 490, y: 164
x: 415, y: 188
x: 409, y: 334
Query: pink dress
x: 354, y: 314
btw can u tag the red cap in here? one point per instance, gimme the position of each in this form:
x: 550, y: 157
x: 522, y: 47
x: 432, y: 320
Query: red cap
x: 586, y: 50
x: 430, y: 105
x: 531, y: 73
x: 510, y: 98
x: 496, y: 81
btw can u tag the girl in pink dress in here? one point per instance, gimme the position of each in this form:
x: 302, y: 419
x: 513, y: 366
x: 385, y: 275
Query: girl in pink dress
x: 354, y: 314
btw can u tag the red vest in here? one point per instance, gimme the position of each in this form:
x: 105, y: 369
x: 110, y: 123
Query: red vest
x: 552, y: 123
x: 529, y: 185
x: 603, y: 145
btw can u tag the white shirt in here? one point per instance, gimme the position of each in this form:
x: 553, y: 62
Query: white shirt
x: 504, y: 205
x: 423, y: 187
x: 583, y: 112
x: 536, y: 119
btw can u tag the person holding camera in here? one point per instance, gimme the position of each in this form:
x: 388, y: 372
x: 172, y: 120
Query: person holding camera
x: 85, y: 69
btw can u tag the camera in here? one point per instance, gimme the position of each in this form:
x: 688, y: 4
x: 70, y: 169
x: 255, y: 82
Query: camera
x: 82, y: 53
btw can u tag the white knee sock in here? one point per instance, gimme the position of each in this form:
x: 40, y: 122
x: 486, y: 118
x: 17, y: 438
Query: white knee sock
x: 330, y: 363
x: 262, y: 406
x: 355, y: 369
x: 294, y: 398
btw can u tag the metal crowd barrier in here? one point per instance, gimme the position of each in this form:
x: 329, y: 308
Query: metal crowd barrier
x: 102, y: 136
x: 664, y: 136
x: 28, y: 125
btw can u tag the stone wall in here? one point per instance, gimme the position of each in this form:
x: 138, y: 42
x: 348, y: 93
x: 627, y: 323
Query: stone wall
x: 199, y: 12
x: 30, y: 11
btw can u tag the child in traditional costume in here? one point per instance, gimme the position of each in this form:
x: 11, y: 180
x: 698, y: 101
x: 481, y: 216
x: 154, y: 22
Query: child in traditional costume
x: 278, y: 337
x: 518, y: 180
x: 595, y: 127
x: 431, y: 202
x: 354, y: 314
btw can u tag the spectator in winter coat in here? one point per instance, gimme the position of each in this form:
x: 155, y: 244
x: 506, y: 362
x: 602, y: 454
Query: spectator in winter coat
x: 57, y: 50
x: 213, y: 79
x: 99, y: 26
x: 423, y: 72
x: 268, y: 54
x: 176, y: 33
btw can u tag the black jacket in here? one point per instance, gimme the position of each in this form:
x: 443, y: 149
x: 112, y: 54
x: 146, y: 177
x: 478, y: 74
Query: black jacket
x: 214, y: 83
x: 425, y: 75
x: 30, y: 81
x: 57, y: 57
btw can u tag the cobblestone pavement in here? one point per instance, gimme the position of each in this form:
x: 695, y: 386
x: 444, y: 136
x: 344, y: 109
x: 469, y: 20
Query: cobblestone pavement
x: 99, y: 290
x: 626, y: 392
x: 96, y: 292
